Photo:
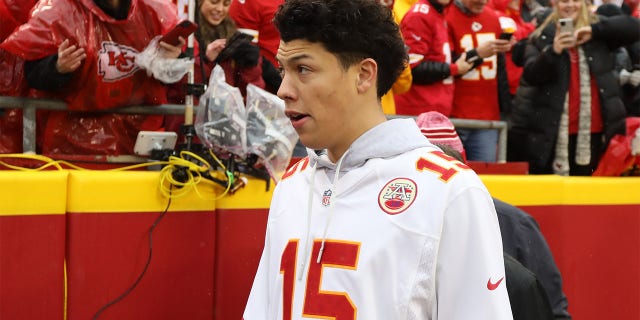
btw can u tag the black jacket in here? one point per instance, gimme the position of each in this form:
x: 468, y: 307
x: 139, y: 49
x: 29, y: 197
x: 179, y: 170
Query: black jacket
x: 523, y: 240
x: 527, y: 297
x: 535, y: 118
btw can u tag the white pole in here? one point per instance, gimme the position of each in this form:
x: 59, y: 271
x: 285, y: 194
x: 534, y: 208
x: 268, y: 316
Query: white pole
x: 188, y: 113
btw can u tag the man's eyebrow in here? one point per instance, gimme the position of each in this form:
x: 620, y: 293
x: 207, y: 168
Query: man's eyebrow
x: 295, y: 58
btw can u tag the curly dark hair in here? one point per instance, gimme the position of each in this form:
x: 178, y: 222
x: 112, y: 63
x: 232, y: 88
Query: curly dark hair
x: 351, y: 29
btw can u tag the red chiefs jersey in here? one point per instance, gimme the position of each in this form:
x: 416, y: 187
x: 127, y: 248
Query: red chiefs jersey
x: 476, y: 92
x: 257, y: 15
x: 425, y: 32
x: 108, y: 77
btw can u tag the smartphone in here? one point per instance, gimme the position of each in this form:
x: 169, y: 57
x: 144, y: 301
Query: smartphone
x: 505, y: 36
x: 566, y: 25
x: 183, y: 29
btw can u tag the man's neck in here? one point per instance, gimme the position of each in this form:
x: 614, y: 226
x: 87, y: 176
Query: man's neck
x: 464, y: 10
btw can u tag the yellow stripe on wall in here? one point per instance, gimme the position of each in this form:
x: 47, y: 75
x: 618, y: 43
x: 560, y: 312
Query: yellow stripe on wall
x: 557, y: 190
x: 130, y: 191
x: 33, y: 193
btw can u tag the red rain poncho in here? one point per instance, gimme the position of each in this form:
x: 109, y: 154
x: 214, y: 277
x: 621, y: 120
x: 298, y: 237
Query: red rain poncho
x: 107, y: 78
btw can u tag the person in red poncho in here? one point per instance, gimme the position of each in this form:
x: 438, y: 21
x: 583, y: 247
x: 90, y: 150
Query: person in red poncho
x: 13, y: 13
x: 83, y: 52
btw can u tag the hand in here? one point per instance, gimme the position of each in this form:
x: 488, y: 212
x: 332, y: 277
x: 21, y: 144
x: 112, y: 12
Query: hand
x: 463, y: 65
x: 489, y: 48
x: 214, y: 48
x: 70, y: 57
x: 171, y: 52
x: 582, y: 35
x: 563, y: 40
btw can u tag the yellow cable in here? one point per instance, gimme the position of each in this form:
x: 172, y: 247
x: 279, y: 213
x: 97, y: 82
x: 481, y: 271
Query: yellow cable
x: 193, y: 170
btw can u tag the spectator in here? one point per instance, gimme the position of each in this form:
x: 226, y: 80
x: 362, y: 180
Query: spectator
x: 521, y: 235
x: 13, y: 13
x: 94, y: 71
x: 220, y: 42
x: 425, y: 32
x: 235, y: 51
x: 254, y: 16
x: 628, y: 78
x: 339, y: 58
x: 509, y: 12
x: 568, y: 106
x: 474, y: 30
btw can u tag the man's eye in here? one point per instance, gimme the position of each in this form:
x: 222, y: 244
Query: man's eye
x: 303, y: 69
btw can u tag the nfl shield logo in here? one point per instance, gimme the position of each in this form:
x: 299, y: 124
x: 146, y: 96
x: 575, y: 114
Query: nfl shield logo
x: 326, y: 198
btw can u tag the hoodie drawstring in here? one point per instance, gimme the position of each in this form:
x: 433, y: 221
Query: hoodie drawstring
x: 309, y: 214
x: 334, y: 189
x: 309, y: 209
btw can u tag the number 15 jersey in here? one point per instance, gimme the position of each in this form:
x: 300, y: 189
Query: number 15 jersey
x: 408, y: 236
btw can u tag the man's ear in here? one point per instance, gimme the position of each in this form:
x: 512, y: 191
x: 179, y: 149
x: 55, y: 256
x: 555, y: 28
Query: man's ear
x: 367, y: 75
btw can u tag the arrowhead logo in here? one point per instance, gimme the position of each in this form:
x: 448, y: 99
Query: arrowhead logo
x: 492, y: 286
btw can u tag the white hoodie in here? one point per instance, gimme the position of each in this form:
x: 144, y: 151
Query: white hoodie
x: 406, y: 233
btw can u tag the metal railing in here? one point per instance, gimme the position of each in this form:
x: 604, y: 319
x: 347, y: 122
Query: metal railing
x: 29, y: 106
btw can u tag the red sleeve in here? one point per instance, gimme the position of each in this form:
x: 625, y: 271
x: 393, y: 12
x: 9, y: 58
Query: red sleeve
x: 416, y: 30
x: 44, y: 31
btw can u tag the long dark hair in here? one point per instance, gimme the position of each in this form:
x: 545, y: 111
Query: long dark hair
x: 207, y: 32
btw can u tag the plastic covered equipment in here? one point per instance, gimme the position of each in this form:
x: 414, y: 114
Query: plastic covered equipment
x: 221, y: 120
x: 270, y: 134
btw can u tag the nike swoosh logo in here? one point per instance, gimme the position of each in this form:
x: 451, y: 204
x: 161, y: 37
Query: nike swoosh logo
x: 418, y: 38
x: 493, y: 286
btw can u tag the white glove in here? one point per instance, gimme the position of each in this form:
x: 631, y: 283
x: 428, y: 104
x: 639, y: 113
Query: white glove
x: 634, y: 78
x: 624, y: 77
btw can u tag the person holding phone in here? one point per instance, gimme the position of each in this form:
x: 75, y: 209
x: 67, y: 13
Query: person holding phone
x: 482, y: 93
x: 219, y: 41
x: 424, y: 30
x: 568, y: 106
x: 83, y: 52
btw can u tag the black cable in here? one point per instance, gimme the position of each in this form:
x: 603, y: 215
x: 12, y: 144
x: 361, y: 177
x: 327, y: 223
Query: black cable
x: 146, y: 266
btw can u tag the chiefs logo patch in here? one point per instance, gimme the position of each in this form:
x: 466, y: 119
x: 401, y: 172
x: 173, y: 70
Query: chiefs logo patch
x: 476, y: 26
x: 397, y: 195
x: 116, y: 61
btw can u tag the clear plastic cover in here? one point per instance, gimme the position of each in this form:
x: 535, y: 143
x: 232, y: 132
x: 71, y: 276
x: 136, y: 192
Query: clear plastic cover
x: 164, y: 69
x: 270, y: 134
x: 221, y: 119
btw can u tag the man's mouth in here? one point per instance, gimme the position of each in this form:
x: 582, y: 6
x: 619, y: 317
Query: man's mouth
x: 294, y: 116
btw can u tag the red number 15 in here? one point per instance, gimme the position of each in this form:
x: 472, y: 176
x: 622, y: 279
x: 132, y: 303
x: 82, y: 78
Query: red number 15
x: 319, y: 303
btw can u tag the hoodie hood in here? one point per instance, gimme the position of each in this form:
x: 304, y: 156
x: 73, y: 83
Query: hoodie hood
x: 396, y: 135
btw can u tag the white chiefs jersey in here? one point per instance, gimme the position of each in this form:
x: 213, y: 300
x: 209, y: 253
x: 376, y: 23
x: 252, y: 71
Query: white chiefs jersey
x: 413, y: 236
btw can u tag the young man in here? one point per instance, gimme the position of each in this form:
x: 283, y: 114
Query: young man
x: 376, y: 223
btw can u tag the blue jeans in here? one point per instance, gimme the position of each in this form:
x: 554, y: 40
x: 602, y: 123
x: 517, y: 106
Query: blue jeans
x: 480, y: 144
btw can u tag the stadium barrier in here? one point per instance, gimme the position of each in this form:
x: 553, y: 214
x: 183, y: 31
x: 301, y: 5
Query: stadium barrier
x: 73, y: 241
x: 29, y: 106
